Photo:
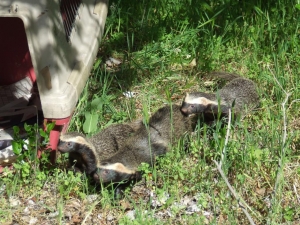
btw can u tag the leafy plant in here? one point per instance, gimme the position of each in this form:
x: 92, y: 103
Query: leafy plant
x: 27, y: 163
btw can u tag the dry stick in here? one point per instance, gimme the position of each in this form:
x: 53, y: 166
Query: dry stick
x: 280, y: 166
x: 219, y: 168
x: 295, y: 190
x: 280, y: 162
x: 235, y: 195
x: 296, y: 100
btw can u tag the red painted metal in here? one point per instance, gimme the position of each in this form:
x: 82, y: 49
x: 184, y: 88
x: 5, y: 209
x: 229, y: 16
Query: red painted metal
x: 61, y: 126
x: 15, y: 57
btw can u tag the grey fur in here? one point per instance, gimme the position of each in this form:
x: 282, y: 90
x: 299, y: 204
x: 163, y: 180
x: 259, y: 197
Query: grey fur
x: 165, y: 127
x: 240, y: 92
x: 86, y: 152
x: 111, y: 139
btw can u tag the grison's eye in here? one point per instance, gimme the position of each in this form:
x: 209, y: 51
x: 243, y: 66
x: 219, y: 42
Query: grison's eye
x: 69, y: 144
x: 192, y: 106
x: 105, y: 172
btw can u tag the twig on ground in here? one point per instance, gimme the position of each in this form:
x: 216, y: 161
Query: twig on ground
x: 295, y: 190
x: 235, y: 195
x: 227, y: 137
x: 284, y: 137
x: 280, y: 163
x: 219, y: 168
x: 282, y: 153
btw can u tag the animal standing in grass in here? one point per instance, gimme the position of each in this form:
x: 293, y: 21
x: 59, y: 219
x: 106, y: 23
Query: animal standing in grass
x: 165, y: 127
x: 239, y: 92
x: 85, y: 153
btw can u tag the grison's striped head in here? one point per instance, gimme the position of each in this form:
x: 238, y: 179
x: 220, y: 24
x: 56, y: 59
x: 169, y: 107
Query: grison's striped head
x: 73, y: 142
x: 197, y: 102
x: 113, y: 172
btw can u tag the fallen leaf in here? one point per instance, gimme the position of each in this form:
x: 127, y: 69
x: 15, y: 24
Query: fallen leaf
x: 125, y: 204
x: 260, y: 191
x: 193, y: 63
x: 76, y: 218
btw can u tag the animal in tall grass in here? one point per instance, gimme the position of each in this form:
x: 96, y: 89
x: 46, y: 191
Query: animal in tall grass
x: 85, y: 153
x: 239, y: 94
x: 166, y: 126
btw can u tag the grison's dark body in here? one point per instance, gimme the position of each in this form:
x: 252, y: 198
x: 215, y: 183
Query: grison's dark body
x: 165, y: 127
x: 85, y: 153
x: 239, y: 92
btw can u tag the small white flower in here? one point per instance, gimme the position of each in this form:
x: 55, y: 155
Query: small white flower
x: 177, y: 50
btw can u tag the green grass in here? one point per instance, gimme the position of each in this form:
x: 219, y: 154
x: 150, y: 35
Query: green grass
x: 157, y: 41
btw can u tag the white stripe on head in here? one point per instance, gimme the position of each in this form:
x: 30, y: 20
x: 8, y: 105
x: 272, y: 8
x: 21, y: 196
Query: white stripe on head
x: 80, y: 139
x: 119, y: 167
x: 69, y: 135
x: 199, y: 100
x: 77, y: 139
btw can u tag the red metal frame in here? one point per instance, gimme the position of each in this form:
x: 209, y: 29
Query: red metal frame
x: 61, y: 126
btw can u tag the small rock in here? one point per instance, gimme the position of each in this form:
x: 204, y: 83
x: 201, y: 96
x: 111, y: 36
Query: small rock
x: 26, y: 211
x: 31, y: 202
x: 192, y: 209
x: 109, y: 217
x: 29, y: 220
x: 131, y: 214
x: 25, y: 219
x: 33, y: 220
x: 53, y: 214
x: 91, y: 198
x: 205, y: 213
x: 14, y: 201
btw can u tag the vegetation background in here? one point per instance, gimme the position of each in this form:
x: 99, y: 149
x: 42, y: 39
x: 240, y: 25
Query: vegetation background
x: 152, y: 53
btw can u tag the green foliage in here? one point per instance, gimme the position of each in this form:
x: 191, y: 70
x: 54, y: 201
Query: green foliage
x: 90, y: 124
x: 98, y: 103
x: 27, y: 165
x: 156, y: 42
x: 68, y: 183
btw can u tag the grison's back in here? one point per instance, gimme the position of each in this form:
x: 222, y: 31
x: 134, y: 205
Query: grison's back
x: 242, y: 90
x: 111, y: 139
x: 170, y: 123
